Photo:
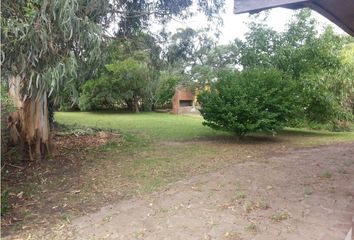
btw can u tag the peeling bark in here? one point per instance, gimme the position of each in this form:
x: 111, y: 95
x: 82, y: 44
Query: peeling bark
x: 29, y: 126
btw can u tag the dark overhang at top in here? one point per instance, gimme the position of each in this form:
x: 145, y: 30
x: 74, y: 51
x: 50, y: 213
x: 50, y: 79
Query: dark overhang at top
x: 341, y: 12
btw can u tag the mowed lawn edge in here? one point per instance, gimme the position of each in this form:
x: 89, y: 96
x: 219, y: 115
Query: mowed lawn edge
x: 169, y: 127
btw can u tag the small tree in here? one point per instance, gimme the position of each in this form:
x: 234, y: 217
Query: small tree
x: 166, y: 89
x: 248, y: 101
x: 133, y: 78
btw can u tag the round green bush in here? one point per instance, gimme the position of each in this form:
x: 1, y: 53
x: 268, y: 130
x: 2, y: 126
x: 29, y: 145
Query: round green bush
x: 249, y: 101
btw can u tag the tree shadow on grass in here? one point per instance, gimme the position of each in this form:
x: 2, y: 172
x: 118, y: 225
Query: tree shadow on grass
x: 234, y: 139
x: 305, y: 133
x: 283, y: 136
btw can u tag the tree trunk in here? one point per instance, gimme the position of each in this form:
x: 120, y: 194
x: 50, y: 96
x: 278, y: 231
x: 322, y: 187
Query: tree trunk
x: 136, y: 104
x: 129, y: 103
x: 29, y: 126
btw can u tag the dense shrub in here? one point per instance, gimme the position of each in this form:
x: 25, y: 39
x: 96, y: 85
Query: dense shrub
x: 100, y: 94
x: 325, y: 97
x: 249, y: 101
x: 128, y: 83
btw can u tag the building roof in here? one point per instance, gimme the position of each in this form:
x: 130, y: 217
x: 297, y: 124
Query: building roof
x: 341, y: 12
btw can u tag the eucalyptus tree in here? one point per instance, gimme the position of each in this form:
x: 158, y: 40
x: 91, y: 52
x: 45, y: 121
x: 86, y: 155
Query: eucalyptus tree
x: 189, y: 47
x: 136, y: 15
x: 188, y: 55
x: 44, y: 42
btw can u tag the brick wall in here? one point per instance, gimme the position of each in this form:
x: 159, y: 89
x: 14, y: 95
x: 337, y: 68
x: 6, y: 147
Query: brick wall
x: 182, y: 94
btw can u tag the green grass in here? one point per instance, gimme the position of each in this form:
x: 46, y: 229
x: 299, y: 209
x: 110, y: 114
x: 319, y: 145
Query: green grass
x: 251, y: 227
x: 159, y: 126
x: 168, y: 127
x: 308, y: 138
x: 327, y: 174
x: 280, y: 216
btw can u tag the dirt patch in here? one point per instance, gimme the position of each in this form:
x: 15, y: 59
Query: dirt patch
x: 38, y: 193
x: 303, y: 194
x: 80, y: 141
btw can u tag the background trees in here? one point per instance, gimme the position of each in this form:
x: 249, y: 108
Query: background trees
x: 130, y: 77
x: 317, y: 66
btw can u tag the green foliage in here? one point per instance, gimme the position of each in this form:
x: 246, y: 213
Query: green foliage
x: 259, y: 46
x: 183, y: 47
x: 133, y: 77
x: 5, y: 207
x: 133, y: 16
x: 44, y: 41
x: 129, y: 79
x: 319, y: 66
x: 347, y: 54
x: 7, y: 106
x: 166, y: 88
x: 188, y: 55
x: 324, y: 96
x: 58, y: 45
x: 314, y: 55
x: 249, y: 101
x: 301, y: 29
x: 223, y: 56
x: 100, y: 94
x: 128, y: 82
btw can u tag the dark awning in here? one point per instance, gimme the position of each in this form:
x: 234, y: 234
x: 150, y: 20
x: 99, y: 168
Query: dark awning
x: 341, y: 12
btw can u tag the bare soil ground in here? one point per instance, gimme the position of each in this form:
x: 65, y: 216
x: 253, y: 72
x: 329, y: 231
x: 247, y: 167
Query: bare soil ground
x: 38, y: 193
x: 105, y: 186
x: 304, y: 193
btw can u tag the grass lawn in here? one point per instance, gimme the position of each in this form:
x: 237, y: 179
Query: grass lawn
x: 156, y: 126
x: 169, y: 127
x: 158, y: 149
